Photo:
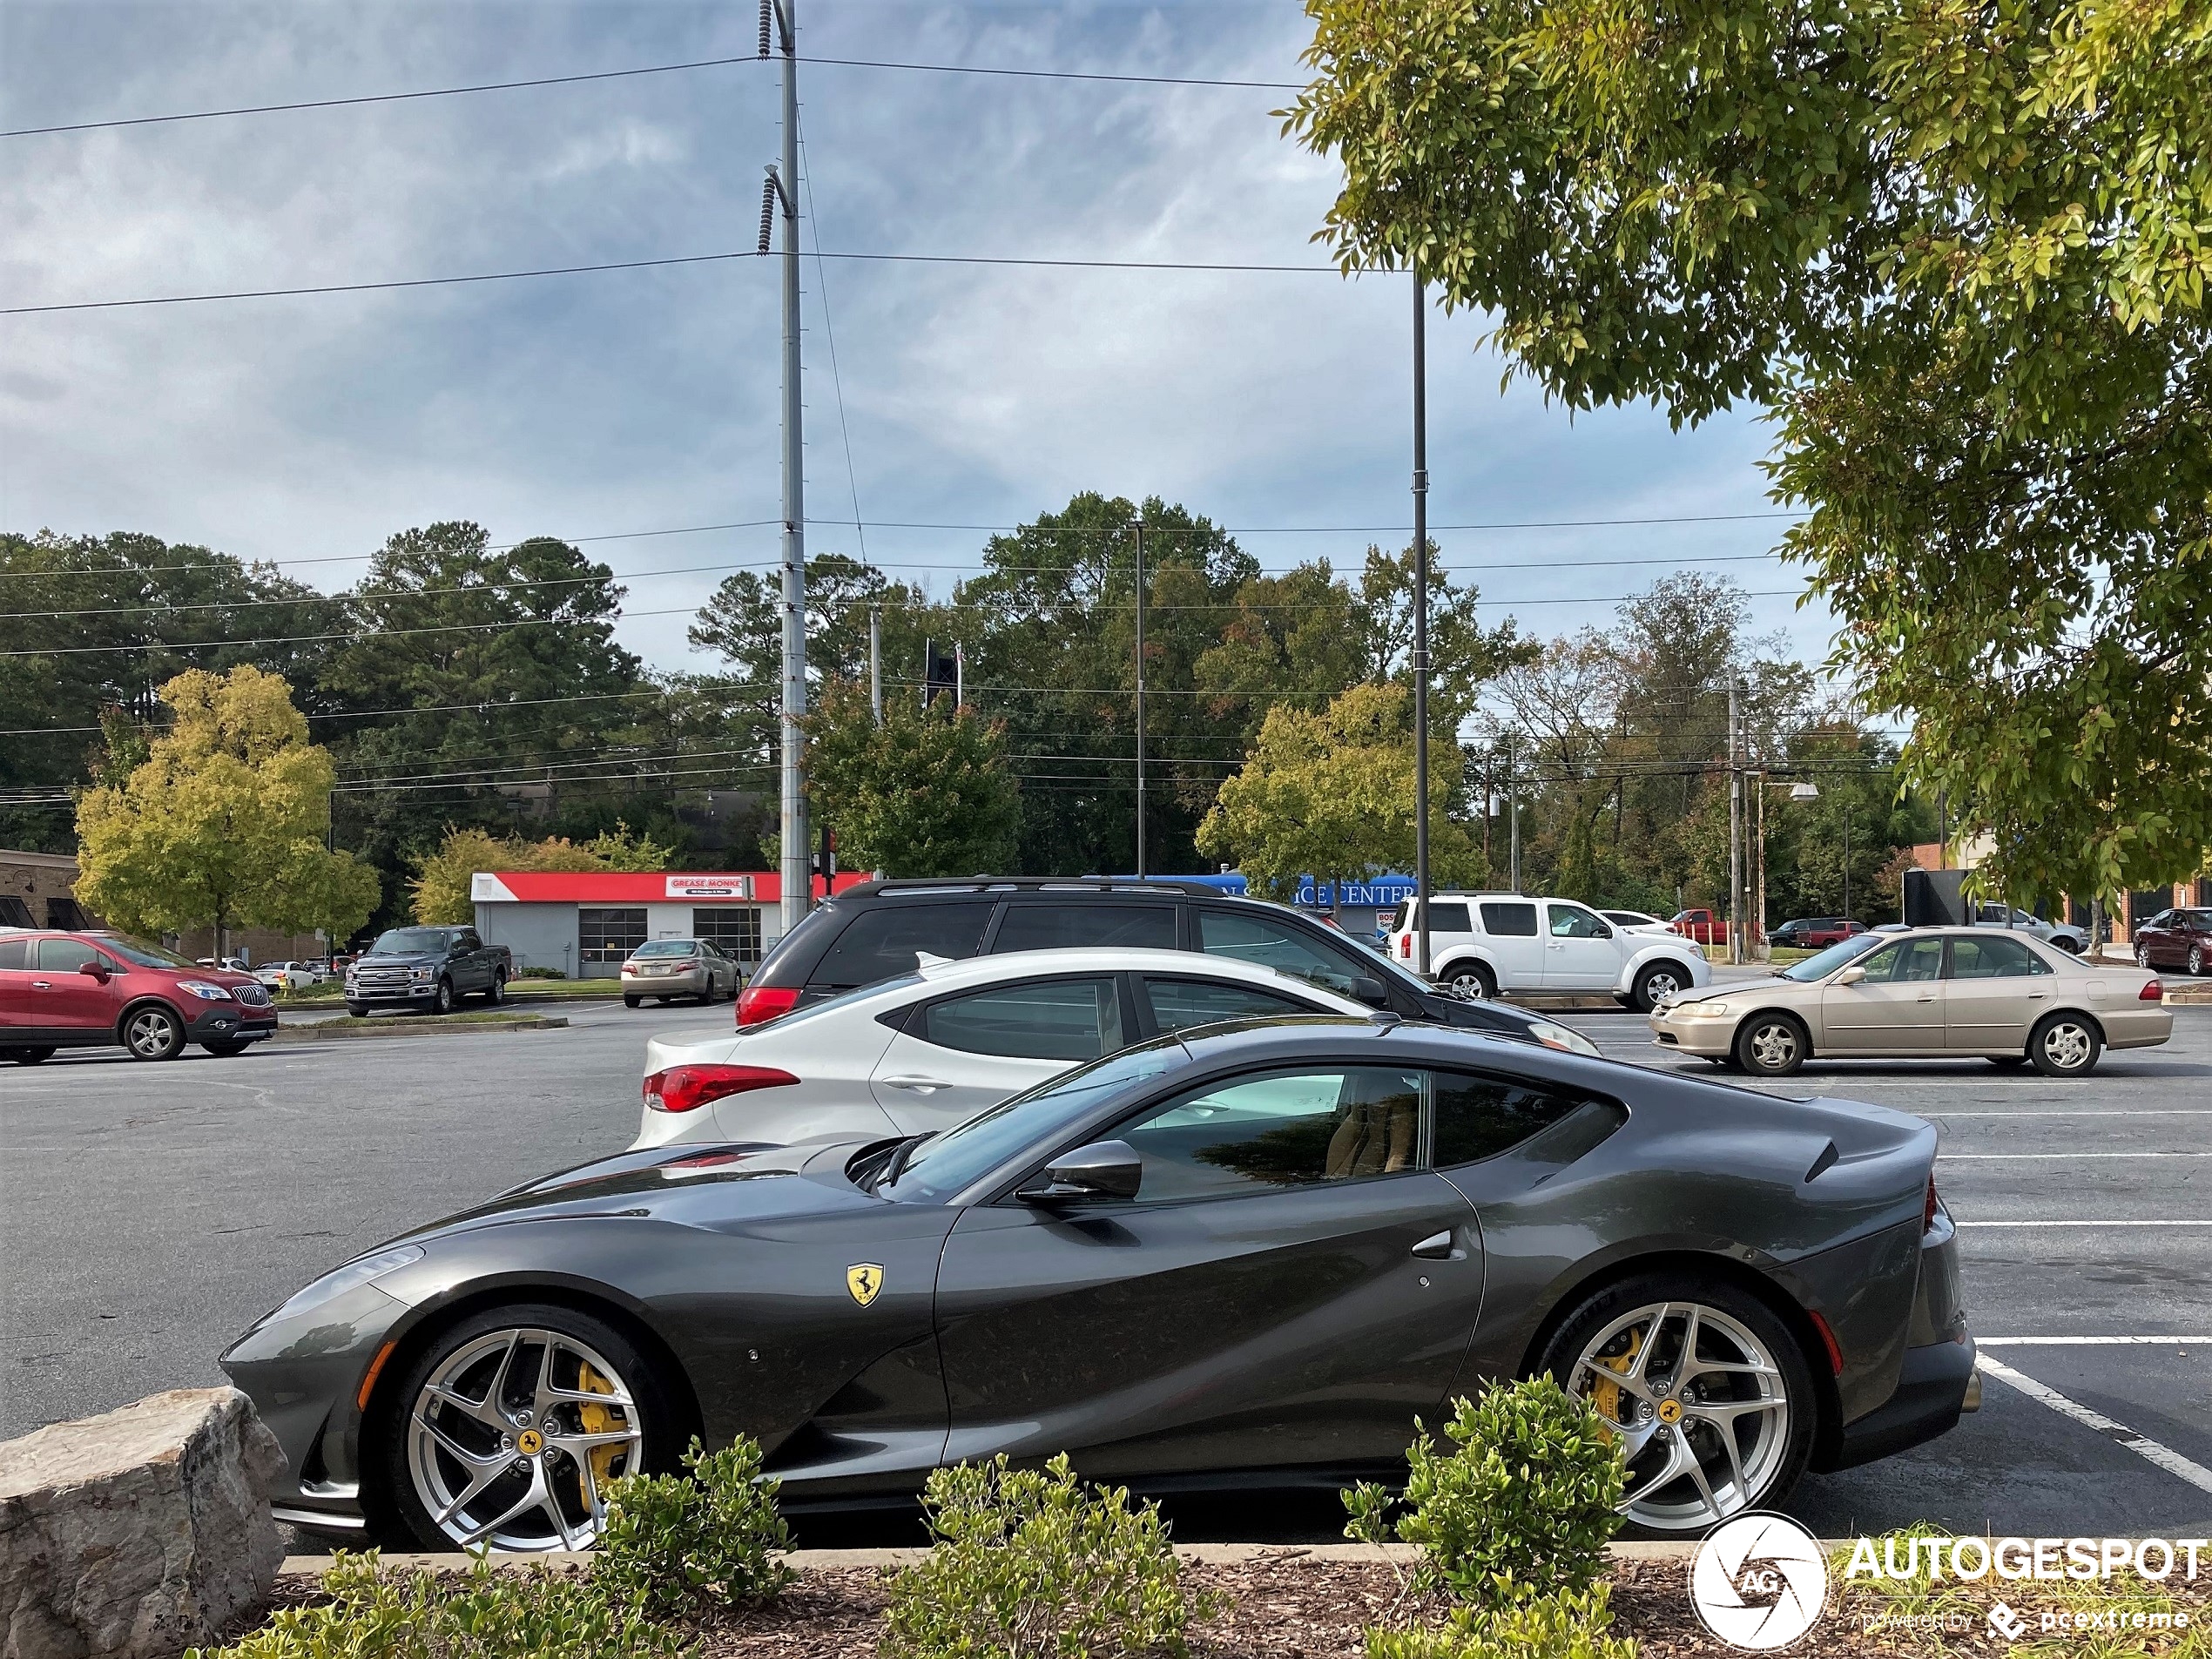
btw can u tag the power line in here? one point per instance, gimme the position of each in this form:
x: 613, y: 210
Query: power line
x: 626, y: 74
x: 355, y: 634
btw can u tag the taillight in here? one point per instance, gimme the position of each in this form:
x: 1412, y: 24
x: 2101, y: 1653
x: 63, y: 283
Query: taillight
x: 2152, y: 992
x: 1928, y: 1209
x: 686, y: 1089
x: 1406, y: 948
x: 757, y: 1004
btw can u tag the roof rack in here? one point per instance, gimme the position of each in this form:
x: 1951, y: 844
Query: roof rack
x: 1031, y: 884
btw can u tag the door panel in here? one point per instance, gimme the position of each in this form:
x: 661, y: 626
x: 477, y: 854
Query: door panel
x: 1280, y: 1328
x: 1580, y: 953
x: 1513, y: 931
x: 1896, y: 1008
x: 15, y: 983
x: 1995, y: 990
x: 61, y: 998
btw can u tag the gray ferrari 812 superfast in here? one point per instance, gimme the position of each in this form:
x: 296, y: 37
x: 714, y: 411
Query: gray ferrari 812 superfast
x: 1250, y: 1254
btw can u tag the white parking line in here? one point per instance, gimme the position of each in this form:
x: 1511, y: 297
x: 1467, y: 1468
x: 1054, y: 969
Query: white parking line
x: 2164, y: 1456
x: 2129, y: 1111
x: 2093, y: 1342
x: 2081, y: 1224
x: 1984, y: 1157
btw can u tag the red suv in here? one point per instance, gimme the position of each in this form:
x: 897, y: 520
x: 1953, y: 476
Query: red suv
x: 78, y: 990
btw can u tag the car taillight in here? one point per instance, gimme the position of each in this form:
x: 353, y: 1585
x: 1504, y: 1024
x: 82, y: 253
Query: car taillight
x: 1405, y: 947
x: 756, y: 1004
x: 2152, y: 992
x: 1928, y: 1210
x: 686, y: 1089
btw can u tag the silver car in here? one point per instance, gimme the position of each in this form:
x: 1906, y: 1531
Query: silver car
x: 668, y: 969
x: 1929, y: 993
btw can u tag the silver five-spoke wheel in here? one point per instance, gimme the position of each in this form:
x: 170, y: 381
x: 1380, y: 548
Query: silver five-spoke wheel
x: 511, y: 1441
x: 1701, y: 1408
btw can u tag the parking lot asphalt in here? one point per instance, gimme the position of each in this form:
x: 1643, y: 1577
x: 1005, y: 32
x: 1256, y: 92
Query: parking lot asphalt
x: 148, y: 1213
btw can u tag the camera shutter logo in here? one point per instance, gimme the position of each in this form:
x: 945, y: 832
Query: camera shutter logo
x: 1759, y: 1581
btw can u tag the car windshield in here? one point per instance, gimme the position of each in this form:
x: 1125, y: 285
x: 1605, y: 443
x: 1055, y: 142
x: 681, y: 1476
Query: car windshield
x: 145, y: 955
x: 1827, y: 961
x: 952, y: 1162
x: 667, y: 948
x: 403, y: 941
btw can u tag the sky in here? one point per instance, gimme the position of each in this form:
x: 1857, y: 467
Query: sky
x: 307, y: 429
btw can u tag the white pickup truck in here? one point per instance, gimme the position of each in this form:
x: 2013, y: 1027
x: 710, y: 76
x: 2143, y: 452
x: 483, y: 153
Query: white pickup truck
x: 1484, y: 943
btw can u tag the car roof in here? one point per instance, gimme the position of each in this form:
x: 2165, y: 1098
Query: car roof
x: 999, y: 886
x: 1124, y: 959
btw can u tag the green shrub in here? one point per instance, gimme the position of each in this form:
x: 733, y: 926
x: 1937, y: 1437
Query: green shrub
x: 490, y: 1614
x: 678, y: 1547
x: 1523, y: 1506
x: 539, y: 973
x: 1032, y: 1564
x: 1568, y: 1625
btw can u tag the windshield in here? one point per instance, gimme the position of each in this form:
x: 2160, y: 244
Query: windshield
x: 948, y: 1163
x: 405, y: 941
x: 668, y: 947
x: 1827, y: 961
x: 146, y: 955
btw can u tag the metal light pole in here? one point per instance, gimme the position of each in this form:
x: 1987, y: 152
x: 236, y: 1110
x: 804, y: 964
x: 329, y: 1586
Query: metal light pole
x: 798, y: 885
x: 1140, y: 700
x: 1734, y: 835
x: 1420, y: 613
x: 876, y: 664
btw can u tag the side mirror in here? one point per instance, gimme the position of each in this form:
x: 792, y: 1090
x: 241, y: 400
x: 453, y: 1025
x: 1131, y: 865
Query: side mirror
x: 96, y: 968
x: 1371, y: 991
x: 1103, y: 1169
x: 1604, y: 930
x: 1851, y: 976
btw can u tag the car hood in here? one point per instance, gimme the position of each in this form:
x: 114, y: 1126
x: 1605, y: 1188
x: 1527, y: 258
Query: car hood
x: 404, y: 959
x: 1765, y: 988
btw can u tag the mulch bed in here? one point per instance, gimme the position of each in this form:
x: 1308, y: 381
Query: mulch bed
x: 1289, y: 1605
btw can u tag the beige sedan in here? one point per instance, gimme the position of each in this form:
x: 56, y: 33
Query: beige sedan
x: 1929, y: 994
x: 668, y: 969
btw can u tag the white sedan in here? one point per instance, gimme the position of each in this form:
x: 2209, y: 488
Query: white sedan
x: 930, y: 1049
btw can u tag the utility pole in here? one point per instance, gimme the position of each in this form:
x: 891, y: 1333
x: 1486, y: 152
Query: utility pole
x: 778, y: 17
x: 1513, y: 812
x: 1140, y: 700
x: 875, y: 663
x: 1420, y: 611
x: 1846, y: 858
x: 1734, y: 831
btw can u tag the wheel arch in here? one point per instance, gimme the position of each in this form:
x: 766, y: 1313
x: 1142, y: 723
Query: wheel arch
x: 2087, y: 1015
x: 1460, y: 956
x: 145, y: 1000
x: 1776, y: 1298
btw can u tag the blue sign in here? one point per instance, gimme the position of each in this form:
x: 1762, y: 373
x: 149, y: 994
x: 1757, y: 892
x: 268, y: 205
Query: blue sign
x: 1377, y: 892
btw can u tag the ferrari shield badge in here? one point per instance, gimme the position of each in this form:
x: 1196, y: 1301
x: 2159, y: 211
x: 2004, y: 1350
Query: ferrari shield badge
x: 864, y: 1280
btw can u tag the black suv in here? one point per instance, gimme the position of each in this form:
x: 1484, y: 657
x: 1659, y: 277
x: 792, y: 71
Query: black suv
x: 874, y: 930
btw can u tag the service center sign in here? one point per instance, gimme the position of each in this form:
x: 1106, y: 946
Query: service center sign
x: 710, y: 886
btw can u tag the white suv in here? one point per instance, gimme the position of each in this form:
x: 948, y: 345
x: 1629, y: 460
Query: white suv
x: 1482, y: 943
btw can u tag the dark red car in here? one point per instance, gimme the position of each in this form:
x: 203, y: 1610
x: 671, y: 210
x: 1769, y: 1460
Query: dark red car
x: 2180, y: 938
x: 86, y: 990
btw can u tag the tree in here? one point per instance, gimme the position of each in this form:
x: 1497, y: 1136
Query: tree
x: 223, y: 824
x: 1956, y: 251
x: 927, y: 793
x: 1330, y: 795
x: 442, y: 886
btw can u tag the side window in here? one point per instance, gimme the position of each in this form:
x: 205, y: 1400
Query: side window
x: 1449, y: 918
x: 1257, y: 939
x: 63, y: 955
x: 1292, y: 1131
x: 1480, y: 1117
x: 1059, y: 926
x: 1511, y: 920
x: 1069, y: 1020
x: 1995, y: 959
x: 469, y: 942
x: 12, y: 953
x: 880, y: 942
x: 1178, y: 1004
x: 1572, y: 921
x: 1899, y: 964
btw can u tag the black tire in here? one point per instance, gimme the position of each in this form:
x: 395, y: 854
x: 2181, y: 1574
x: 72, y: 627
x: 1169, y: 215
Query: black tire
x: 442, y: 1000
x: 1657, y: 980
x: 1471, y: 979
x: 31, y: 1056
x: 393, y: 1501
x: 497, y: 994
x: 2142, y: 955
x: 226, y: 1050
x: 632, y: 1001
x: 151, y: 1031
x: 1770, y: 1471
x: 359, y: 1010
x: 2065, y: 1045
x: 1772, y: 1044
x: 2006, y: 1062
x: 2196, y: 960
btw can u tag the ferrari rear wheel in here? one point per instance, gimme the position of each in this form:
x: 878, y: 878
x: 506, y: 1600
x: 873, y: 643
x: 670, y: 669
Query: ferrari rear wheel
x: 1708, y: 1391
x: 507, y: 1433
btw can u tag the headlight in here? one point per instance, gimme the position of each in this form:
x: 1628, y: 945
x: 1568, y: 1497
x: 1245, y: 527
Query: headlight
x: 421, y: 972
x: 362, y: 1270
x: 202, y: 989
x: 1702, y: 1010
x: 1559, y: 1036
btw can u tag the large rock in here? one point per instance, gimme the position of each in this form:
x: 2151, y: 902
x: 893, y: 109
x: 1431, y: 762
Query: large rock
x: 140, y: 1533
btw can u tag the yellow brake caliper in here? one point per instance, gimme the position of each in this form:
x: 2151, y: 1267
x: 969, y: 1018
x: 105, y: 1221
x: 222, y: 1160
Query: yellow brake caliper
x: 597, y: 1420
x: 1605, y: 1395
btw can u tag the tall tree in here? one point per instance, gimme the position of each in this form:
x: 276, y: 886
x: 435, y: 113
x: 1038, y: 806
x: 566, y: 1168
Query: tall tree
x: 1957, y: 252
x: 927, y: 793
x: 223, y: 824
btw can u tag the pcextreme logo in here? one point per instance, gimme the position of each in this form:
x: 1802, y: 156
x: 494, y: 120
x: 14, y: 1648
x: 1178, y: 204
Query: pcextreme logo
x: 1759, y: 1581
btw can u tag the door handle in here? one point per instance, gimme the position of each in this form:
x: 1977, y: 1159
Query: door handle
x: 42, y: 984
x: 920, y: 1085
x: 1437, y: 1247
x: 1930, y: 997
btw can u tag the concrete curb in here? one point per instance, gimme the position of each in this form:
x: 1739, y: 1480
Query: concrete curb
x: 2189, y: 996
x: 1202, y: 1554
x: 431, y: 1027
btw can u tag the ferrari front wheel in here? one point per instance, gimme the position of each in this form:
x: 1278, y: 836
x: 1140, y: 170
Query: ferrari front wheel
x: 1704, y: 1387
x: 508, y: 1432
